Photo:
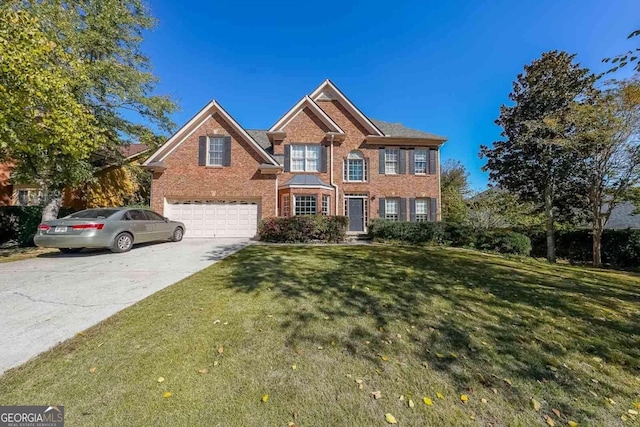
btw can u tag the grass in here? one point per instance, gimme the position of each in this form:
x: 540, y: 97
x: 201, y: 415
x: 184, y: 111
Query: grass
x: 19, y: 253
x: 402, y: 320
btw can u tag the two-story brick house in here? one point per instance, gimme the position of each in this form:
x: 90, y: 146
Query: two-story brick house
x: 323, y: 156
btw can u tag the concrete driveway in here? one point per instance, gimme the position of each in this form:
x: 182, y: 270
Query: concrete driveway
x: 49, y: 299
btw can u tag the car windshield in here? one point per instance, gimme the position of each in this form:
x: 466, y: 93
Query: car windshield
x: 94, y: 214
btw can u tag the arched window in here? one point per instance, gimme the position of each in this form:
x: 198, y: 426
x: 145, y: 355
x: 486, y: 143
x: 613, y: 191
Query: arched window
x: 355, y: 167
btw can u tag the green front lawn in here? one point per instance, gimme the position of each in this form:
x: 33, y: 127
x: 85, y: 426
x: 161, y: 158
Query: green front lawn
x: 319, y: 329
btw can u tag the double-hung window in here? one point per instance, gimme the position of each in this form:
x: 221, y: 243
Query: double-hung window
x: 286, y: 207
x: 215, y: 155
x: 306, y: 205
x: 421, y: 158
x: 325, y: 205
x: 422, y: 210
x: 391, y: 209
x: 391, y: 161
x: 355, y: 168
x: 305, y: 158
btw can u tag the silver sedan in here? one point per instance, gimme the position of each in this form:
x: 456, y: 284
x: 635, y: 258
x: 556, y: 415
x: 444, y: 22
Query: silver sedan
x: 115, y: 228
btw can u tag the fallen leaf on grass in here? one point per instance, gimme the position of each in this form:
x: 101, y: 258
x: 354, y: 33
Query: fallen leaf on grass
x: 572, y: 424
x: 376, y: 394
x: 495, y: 390
x: 427, y: 401
x: 439, y: 395
x: 215, y: 322
x: 291, y: 424
x: 550, y: 421
x: 92, y: 370
x: 440, y: 356
x: 411, y: 404
x: 508, y: 381
x: 390, y: 419
x: 265, y: 398
x: 464, y: 397
x: 215, y: 363
x: 294, y: 367
x: 220, y: 350
x: 167, y: 394
x: 610, y: 400
x: 636, y: 405
x: 483, y: 400
x: 632, y: 412
x: 556, y: 411
x: 161, y: 379
x: 384, y: 358
x: 298, y: 351
x: 535, y: 404
x: 202, y: 371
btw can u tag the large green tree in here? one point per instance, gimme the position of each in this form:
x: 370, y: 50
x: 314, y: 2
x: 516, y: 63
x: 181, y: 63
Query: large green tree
x: 496, y: 208
x: 532, y: 161
x: 607, y: 132
x: 454, y: 184
x: 103, y: 39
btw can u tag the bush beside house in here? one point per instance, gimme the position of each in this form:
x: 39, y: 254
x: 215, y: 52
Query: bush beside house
x: 303, y: 229
x: 20, y: 223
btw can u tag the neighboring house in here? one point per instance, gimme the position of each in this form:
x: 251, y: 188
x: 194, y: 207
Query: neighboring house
x: 16, y: 194
x: 323, y: 156
x: 623, y: 216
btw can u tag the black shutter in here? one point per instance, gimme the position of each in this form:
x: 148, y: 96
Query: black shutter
x: 226, y: 160
x: 402, y: 211
x: 287, y: 158
x: 402, y: 161
x: 381, y: 208
x: 412, y: 161
x: 202, y: 151
x: 381, y: 156
x: 432, y: 161
x: 323, y: 159
x: 433, y: 209
x: 365, y: 163
x: 412, y: 210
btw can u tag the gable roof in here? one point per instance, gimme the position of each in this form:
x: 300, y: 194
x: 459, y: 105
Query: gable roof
x: 305, y: 102
x: 400, y: 131
x: 260, y: 136
x: 328, y: 91
x: 194, y: 123
x: 132, y: 150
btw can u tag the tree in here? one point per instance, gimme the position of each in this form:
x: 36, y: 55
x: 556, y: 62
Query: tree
x: 45, y: 130
x: 533, y: 161
x: 631, y: 57
x: 454, y: 188
x: 607, y: 138
x: 496, y: 208
x: 102, y: 40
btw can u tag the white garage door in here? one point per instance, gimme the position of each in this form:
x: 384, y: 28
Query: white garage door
x: 215, y: 218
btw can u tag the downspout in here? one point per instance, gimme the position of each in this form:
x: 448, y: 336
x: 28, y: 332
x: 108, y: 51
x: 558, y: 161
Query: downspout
x: 439, y: 204
x: 277, y: 174
x: 333, y: 184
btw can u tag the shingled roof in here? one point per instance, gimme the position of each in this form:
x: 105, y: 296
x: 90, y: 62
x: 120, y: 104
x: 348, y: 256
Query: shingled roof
x: 622, y: 217
x: 400, y: 131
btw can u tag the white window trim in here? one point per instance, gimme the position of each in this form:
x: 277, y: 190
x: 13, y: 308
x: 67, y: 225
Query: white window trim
x: 396, y: 202
x: 295, y: 201
x: 426, y: 162
x: 210, y: 140
x: 426, y: 209
x: 326, y: 205
x: 286, y: 205
x: 305, y: 159
x: 347, y: 171
x: 387, y: 151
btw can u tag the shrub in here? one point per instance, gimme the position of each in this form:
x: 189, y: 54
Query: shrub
x: 20, y: 223
x: 412, y: 232
x: 303, y: 229
x: 504, y: 242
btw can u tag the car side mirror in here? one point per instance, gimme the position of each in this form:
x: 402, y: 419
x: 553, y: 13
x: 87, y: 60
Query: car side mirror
x: 165, y: 219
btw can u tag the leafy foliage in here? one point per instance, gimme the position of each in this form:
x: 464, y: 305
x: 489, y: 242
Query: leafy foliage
x: 303, y: 229
x: 454, y: 189
x: 497, y: 208
x: 533, y: 161
x: 631, y: 57
x: 20, y: 223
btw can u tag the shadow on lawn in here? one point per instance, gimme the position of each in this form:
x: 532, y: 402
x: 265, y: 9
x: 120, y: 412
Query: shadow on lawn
x: 501, y: 319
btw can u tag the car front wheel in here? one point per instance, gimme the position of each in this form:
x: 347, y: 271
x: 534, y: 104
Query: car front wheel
x: 178, y: 233
x: 122, y: 243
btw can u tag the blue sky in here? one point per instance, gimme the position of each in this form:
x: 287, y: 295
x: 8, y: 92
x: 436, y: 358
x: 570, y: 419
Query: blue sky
x: 443, y: 67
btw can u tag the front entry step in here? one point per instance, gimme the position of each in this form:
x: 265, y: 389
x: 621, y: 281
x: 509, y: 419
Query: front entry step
x: 357, y: 237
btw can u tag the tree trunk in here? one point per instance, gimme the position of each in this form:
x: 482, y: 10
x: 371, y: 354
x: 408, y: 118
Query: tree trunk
x: 597, y: 247
x: 551, y: 238
x: 53, y: 201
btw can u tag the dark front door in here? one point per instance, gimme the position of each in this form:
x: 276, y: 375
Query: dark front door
x: 356, y: 214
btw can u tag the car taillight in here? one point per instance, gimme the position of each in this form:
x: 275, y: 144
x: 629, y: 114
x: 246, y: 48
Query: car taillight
x: 87, y: 227
x: 44, y: 227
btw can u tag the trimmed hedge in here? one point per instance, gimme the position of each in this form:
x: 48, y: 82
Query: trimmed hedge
x: 20, y: 223
x: 303, y: 229
x: 620, y: 248
x: 451, y: 234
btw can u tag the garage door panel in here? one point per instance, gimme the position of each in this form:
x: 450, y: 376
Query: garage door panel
x: 216, y: 219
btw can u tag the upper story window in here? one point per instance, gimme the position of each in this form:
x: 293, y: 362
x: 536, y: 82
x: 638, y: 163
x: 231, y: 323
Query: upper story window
x: 391, y: 161
x: 305, y: 158
x: 355, y: 167
x: 422, y: 210
x: 391, y: 209
x: 306, y: 205
x: 420, y: 158
x: 215, y: 155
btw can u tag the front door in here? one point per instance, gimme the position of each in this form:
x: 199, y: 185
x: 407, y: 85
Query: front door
x: 356, y: 214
